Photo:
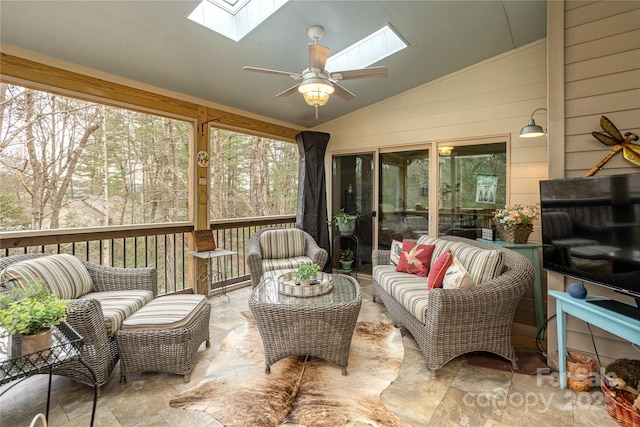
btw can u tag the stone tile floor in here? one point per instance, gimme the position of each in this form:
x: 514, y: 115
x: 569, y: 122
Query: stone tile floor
x: 461, y: 395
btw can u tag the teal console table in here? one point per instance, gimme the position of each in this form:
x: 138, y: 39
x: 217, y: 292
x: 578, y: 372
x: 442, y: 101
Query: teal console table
x: 530, y: 252
x: 623, y: 326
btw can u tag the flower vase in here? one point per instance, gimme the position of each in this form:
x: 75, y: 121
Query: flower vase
x: 39, y: 341
x: 517, y: 233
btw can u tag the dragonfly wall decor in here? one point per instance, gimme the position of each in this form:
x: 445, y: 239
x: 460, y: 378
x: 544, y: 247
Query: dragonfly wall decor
x: 613, y: 138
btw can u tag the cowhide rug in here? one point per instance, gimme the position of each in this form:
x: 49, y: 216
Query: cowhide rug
x: 311, y: 392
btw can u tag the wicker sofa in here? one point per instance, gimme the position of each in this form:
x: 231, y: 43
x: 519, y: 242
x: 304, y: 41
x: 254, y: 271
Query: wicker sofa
x: 281, y: 249
x: 447, y: 323
x: 101, y: 296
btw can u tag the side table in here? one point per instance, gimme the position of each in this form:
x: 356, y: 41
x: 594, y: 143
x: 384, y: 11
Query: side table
x: 530, y: 252
x: 623, y: 326
x: 218, y: 273
x: 65, y: 347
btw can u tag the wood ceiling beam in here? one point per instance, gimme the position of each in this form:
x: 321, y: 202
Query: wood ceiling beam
x: 36, y: 75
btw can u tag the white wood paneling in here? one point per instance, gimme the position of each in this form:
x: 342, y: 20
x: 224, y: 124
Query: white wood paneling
x: 604, y: 26
x: 596, y: 11
x: 601, y: 77
x: 494, y: 97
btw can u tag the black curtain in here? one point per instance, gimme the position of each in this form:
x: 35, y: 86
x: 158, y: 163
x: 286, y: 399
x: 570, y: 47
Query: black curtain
x: 311, y: 215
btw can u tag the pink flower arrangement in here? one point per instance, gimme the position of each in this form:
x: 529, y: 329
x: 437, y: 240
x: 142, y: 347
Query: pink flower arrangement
x: 517, y: 215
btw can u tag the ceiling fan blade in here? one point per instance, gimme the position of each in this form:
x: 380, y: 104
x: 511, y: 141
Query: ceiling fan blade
x: 362, y: 73
x: 318, y: 55
x: 289, y: 91
x: 295, y: 76
x: 342, y: 93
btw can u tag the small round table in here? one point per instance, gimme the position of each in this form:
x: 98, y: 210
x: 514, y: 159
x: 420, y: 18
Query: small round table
x: 320, y: 326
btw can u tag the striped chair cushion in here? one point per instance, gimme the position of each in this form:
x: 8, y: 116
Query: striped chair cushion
x: 482, y: 264
x: 167, y: 312
x: 119, y: 305
x: 63, y: 275
x: 285, y: 263
x: 408, y: 289
x: 287, y: 243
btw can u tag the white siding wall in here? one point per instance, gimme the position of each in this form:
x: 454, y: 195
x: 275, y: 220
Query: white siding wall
x: 494, y: 97
x: 601, y: 76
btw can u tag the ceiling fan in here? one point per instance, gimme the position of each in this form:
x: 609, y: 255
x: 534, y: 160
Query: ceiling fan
x: 316, y: 83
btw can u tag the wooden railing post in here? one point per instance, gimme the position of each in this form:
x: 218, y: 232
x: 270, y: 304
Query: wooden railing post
x: 200, y: 196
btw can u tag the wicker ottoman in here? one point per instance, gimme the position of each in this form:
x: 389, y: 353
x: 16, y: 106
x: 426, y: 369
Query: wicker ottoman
x: 164, y: 336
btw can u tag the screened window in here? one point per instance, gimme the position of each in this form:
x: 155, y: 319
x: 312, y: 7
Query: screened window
x: 473, y: 184
x: 67, y: 163
x: 252, y: 176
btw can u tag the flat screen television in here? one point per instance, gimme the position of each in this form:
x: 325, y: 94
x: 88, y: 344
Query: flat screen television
x: 591, y: 232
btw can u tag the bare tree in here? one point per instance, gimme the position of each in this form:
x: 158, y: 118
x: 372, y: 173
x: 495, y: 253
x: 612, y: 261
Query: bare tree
x: 216, y: 166
x: 258, y: 178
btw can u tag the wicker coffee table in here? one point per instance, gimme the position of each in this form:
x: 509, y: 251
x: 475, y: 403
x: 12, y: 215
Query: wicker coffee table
x: 320, y: 326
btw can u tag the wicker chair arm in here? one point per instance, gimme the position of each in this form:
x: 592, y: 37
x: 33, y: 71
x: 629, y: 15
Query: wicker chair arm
x: 87, y: 319
x: 107, y: 278
x: 98, y: 348
x: 254, y: 260
x: 380, y: 257
x: 315, y: 252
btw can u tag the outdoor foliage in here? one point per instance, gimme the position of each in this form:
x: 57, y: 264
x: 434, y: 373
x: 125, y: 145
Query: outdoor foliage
x: 68, y: 163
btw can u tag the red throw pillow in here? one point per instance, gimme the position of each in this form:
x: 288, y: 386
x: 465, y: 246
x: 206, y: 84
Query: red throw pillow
x: 436, y: 275
x: 415, y: 259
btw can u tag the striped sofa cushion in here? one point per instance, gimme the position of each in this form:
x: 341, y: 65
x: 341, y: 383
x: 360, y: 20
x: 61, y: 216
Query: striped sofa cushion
x: 287, y: 243
x: 285, y: 263
x: 167, y: 312
x: 408, y: 289
x: 482, y: 264
x: 119, y: 305
x: 63, y: 275
x: 441, y: 246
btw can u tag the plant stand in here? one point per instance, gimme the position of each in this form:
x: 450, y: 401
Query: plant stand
x: 337, y: 240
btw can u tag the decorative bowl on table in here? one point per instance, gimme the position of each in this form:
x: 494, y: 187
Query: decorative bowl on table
x: 289, y: 285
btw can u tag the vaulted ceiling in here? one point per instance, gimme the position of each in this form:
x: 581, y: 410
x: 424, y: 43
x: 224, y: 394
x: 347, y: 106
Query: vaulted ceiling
x: 153, y: 42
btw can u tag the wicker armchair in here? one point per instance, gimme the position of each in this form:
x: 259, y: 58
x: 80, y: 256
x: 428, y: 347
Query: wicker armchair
x: 460, y: 321
x: 99, y: 348
x: 287, y: 248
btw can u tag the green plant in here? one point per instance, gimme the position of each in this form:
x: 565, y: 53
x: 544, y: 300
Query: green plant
x: 306, y: 271
x: 346, y: 254
x: 517, y: 215
x: 26, y: 311
x: 342, y: 218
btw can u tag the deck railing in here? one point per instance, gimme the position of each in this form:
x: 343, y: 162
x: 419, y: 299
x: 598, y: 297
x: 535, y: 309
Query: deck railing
x: 162, y: 246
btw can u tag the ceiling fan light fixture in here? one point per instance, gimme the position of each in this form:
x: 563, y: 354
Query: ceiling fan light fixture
x: 316, y: 92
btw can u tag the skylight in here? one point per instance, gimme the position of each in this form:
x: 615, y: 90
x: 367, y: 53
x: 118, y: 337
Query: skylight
x: 234, y: 18
x: 371, y: 49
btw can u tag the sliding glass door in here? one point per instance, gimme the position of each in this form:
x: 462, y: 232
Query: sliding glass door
x: 456, y: 192
x: 352, y: 191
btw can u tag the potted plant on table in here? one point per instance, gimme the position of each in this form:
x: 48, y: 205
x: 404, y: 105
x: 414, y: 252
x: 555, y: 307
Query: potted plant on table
x: 28, y: 315
x: 344, y: 222
x: 305, y: 273
x: 515, y: 223
x: 346, y: 259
